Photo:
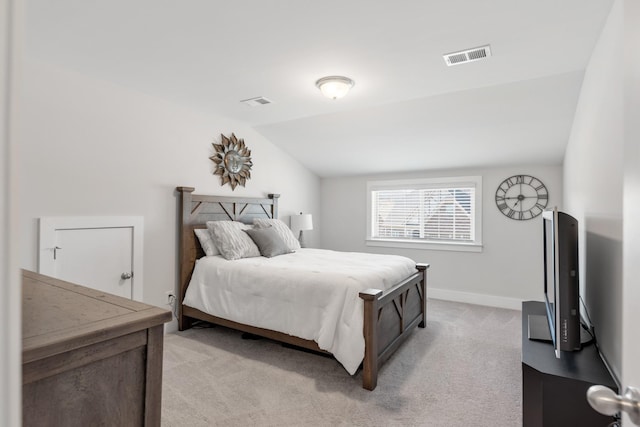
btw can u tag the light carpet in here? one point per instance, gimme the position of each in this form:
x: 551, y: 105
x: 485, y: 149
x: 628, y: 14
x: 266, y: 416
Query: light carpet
x: 463, y: 369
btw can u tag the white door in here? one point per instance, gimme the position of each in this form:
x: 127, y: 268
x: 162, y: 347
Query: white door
x: 103, y: 253
x: 10, y: 289
x: 631, y: 282
x: 631, y: 204
x: 100, y: 258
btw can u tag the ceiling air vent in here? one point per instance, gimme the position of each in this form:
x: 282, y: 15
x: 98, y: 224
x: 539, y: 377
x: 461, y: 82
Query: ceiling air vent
x: 468, y: 55
x: 255, y: 102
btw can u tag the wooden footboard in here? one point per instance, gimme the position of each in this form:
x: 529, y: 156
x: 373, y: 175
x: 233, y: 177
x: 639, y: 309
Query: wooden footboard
x: 388, y: 318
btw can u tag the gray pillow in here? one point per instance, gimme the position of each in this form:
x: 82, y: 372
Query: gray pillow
x: 268, y: 241
x: 281, y: 228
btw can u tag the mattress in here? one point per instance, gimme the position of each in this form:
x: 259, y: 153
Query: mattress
x: 311, y: 294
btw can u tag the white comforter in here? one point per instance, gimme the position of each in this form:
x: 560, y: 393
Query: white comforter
x: 311, y: 294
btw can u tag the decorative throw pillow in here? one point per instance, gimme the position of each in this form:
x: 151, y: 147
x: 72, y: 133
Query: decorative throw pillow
x: 268, y: 241
x: 281, y: 228
x: 231, y: 240
x: 204, y: 236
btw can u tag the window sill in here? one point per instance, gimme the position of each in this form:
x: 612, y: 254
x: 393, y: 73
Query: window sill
x: 448, y: 246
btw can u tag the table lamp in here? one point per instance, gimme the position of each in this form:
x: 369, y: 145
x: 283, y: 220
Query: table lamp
x: 302, y: 222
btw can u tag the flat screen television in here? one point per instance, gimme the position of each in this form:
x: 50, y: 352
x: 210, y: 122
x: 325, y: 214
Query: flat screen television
x: 561, y: 284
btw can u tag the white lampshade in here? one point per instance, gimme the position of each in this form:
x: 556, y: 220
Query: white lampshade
x: 334, y: 87
x: 301, y: 222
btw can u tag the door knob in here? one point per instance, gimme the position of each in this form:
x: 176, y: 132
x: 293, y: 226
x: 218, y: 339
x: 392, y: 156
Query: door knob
x: 126, y: 275
x: 607, y: 402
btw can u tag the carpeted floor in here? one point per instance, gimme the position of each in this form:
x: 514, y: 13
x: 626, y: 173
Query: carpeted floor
x: 462, y: 370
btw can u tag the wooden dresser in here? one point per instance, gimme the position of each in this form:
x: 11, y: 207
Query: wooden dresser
x: 88, y: 358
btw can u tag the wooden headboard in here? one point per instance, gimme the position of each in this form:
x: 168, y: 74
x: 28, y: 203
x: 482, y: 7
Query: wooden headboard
x: 195, y: 210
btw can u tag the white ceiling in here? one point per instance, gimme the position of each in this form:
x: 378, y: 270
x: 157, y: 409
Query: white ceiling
x: 407, y: 111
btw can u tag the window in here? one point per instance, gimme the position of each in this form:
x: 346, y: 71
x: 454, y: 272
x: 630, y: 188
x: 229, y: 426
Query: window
x: 440, y: 213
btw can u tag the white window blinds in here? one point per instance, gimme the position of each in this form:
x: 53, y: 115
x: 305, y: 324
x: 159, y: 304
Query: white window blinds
x: 424, y: 211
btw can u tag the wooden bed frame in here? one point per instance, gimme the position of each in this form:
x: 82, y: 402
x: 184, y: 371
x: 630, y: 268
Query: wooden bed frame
x: 389, y: 316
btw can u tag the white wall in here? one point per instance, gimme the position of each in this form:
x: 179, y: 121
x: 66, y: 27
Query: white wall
x: 593, y: 183
x: 507, y: 271
x: 89, y: 147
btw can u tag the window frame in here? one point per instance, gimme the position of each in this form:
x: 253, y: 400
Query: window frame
x: 427, y: 183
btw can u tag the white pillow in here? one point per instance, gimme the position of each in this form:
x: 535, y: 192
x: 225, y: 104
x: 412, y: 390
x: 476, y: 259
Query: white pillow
x: 281, y: 228
x: 231, y: 241
x: 204, y: 236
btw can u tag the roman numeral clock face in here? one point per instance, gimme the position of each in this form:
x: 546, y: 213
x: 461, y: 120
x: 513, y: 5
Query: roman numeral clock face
x: 522, y: 197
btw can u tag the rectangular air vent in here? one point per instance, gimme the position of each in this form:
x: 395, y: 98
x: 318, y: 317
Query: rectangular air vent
x: 469, y: 55
x: 255, y: 102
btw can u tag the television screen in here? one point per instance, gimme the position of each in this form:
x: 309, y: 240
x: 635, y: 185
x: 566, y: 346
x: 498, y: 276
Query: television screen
x: 561, y: 284
x: 549, y: 271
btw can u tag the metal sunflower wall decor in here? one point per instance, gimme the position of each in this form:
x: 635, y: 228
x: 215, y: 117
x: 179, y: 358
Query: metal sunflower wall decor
x: 233, y: 161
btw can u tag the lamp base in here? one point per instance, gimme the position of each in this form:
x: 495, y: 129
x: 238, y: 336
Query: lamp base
x: 301, y: 240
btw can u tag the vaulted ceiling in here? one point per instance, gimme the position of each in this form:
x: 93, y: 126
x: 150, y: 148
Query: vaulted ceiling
x: 407, y: 110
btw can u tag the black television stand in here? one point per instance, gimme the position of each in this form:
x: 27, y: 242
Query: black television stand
x: 554, y: 390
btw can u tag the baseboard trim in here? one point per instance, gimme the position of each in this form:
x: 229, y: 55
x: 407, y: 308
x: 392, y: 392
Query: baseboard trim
x: 478, y: 299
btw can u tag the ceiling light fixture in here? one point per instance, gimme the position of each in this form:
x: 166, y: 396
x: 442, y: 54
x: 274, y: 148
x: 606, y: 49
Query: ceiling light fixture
x: 335, y: 87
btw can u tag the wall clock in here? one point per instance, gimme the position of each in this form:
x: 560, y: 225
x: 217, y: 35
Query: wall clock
x: 233, y: 161
x: 522, y: 197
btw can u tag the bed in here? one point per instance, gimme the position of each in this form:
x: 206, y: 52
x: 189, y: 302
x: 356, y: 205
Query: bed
x: 388, y: 315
